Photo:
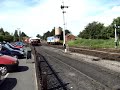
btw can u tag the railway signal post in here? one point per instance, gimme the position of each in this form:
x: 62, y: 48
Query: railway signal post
x: 63, y: 11
x: 116, y: 37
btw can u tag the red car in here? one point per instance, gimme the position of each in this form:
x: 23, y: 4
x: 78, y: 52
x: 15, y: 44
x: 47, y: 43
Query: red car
x: 8, y: 63
x: 18, y: 46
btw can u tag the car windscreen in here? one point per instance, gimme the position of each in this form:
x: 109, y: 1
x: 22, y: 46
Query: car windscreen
x: 8, y: 47
x: 19, y: 43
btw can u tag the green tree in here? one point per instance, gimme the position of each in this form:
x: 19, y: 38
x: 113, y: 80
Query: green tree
x: 8, y: 38
x: 92, y: 31
x: 16, y: 36
x: 45, y: 35
x: 67, y: 32
x: 39, y: 36
x: 2, y: 31
x: 109, y: 31
x: 117, y: 22
x: 1, y: 38
x: 6, y: 33
x: 23, y: 34
x: 16, y: 33
x: 52, y: 33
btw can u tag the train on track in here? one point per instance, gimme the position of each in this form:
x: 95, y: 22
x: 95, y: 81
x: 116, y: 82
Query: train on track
x: 53, y: 40
x: 35, y: 41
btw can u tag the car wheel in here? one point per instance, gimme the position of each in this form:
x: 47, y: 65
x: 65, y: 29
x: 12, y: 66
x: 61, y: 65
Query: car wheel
x: 3, y: 70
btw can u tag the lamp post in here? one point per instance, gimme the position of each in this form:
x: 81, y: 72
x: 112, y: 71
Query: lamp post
x: 63, y: 11
x: 19, y: 33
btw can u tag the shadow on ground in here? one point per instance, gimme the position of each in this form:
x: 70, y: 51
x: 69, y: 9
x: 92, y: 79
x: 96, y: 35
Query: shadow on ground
x: 22, y: 68
x: 8, y: 84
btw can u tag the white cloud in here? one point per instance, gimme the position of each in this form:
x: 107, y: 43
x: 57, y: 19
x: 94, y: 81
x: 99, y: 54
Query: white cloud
x: 43, y: 17
x: 10, y: 4
x: 106, y: 16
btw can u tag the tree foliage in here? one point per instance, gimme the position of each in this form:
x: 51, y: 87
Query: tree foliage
x: 96, y: 30
x: 66, y: 32
x: 38, y: 36
x: 6, y: 36
x: 16, y: 33
x: 1, y: 38
x: 52, y: 33
x: 23, y: 34
x: 45, y: 35
x: 92, y: 31
x: 6, y: 33
x: 117, y: 22
x: 19, y: 35
x: 2, y: 31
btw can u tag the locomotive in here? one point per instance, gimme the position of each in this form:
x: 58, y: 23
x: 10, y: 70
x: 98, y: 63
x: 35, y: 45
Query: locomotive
x: 53, y: 40
x: 35, y: 41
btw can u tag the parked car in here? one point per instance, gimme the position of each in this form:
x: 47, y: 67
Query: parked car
x: 8, y: 63
x: 19, y: 44
x: 6, y: 50
x: 11, y: 46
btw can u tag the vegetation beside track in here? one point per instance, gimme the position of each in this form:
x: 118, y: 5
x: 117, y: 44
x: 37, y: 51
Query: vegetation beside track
x: 93, y: 43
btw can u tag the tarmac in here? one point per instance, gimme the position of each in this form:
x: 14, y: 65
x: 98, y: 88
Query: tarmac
x: 23, y: 79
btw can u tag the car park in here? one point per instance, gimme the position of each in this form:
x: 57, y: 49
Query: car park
x: 11, y: 46
x: 8, y: 63
x: 19, y: 44
x: 6, y: 50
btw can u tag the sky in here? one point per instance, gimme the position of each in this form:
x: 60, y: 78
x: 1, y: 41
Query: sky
x: 38, y: 16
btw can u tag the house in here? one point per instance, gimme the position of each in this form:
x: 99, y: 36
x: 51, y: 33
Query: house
x: 69, y: 37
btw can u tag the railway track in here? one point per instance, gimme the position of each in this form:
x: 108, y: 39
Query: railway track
x: 48, y: 76
x: 93, y: 77
x: 110, y: 54
x: 104, y: 87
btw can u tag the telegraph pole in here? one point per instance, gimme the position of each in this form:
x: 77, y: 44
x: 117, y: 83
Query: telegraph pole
x: 63, y: 11
x: 19, y: 32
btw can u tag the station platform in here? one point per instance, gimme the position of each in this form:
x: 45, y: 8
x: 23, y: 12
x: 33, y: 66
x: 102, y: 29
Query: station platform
x: 23, y: 79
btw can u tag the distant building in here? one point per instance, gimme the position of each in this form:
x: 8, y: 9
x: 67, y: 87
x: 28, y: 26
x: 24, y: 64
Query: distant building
x: 58, y: 31
x: 69, y: 37
x: 26, y: 39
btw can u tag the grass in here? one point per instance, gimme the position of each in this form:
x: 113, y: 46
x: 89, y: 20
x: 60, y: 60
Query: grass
x: 94, y: 43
